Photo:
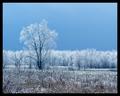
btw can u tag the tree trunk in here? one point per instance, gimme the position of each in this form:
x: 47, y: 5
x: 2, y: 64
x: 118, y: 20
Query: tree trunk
x: 39, y: 63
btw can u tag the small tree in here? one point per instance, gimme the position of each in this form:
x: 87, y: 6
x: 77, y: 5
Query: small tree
x: 5, y: 59
x: 17, y: 58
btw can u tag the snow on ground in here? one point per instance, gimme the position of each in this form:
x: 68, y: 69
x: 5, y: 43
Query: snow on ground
x: 56, y: 81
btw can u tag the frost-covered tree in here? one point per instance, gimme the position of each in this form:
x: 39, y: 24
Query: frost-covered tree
x: 40, y: 38
x: 5, y: 59
x: 29, y: 59
x: 17, y: 58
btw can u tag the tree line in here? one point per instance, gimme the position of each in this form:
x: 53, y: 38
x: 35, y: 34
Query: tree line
x: 74, y: 60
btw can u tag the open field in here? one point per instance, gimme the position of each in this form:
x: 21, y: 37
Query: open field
x: 53, y: 81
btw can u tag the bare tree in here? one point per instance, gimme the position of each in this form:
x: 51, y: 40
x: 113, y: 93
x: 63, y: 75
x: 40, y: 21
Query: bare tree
x: 5, y: 59
x: 29, y: 59
x: 17, y: 58
x: 40, y: 38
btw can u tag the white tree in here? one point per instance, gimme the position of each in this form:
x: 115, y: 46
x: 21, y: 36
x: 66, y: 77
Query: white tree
x: 17, y: 59
x: 5, y: 59
x: 40, y: 38
x: 9, y: 59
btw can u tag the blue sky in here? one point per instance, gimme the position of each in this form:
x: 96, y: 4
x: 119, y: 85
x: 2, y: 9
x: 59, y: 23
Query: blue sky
x: 79, y: 25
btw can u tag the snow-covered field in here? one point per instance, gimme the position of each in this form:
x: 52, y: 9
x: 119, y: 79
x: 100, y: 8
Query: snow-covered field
x: 56, y: 81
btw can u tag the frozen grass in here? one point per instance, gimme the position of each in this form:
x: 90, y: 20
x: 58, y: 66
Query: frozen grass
x: 51, y: 81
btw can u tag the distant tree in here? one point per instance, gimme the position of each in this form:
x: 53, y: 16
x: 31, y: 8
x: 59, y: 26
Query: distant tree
x: 39, y: 38
x: 27, y: 59
x: 71, y: 63
x: 17, y: 58
x: 5, y: 59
